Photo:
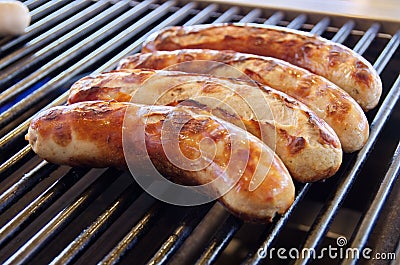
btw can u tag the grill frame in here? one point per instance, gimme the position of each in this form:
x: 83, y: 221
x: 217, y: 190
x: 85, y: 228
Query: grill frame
x: 225, y: 226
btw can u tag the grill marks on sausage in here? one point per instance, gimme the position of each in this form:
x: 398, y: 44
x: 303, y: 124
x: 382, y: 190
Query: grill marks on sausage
x: 338, y: 109
x: 62, y: 134
x: 362, y: 74
x: 294, y: 144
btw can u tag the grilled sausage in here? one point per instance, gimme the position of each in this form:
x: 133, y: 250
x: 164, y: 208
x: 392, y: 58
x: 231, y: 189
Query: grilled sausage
x: 327, y: 100
x: 90, y: 134
x: 334, y: 61
x: 309, y: 148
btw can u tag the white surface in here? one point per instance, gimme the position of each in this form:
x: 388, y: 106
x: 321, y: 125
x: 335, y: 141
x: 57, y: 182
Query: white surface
x: 14, y: 18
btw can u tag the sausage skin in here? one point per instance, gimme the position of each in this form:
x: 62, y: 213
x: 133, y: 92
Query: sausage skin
x: 309, y: 148
x: 334, y: 61
x: 90, y: 134
x: 327, y: 100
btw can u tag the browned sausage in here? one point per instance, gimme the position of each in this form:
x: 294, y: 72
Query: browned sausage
x: 90, y: 134
x: 309, y: 148
x: 328, y: 101
x: 334, y: 61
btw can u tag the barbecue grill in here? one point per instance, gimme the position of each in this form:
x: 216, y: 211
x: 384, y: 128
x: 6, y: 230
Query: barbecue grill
x: 57, y: 214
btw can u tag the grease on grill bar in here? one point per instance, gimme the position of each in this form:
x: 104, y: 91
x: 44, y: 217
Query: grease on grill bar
x: 62, y: 215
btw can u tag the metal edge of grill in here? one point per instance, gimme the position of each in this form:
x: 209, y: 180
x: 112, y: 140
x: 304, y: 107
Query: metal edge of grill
x: 41, y: 201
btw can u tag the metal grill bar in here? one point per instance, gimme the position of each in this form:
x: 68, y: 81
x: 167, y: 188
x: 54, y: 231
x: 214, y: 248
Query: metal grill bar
x: 59, y: 222
x: 297, y: 22
x: 176, y: 239
x: 275, y: 18
x: 135, y: 47
x: 202, y: 16
x: 367, y: 38
x: 82, y: 242
x: 371, y: 216
x: 31, y: 4
x: 344, y: 31
x: 48, y: 7
x: 321, y: 26
x: 387, y: 53
x: 24, y: 184
x: 12, y: 161
x: 40, y: 204
x: 227, y: 15
x: 219, y: 242
x: 251, y: 16
x: 320, y: 226
x: 132, y: 237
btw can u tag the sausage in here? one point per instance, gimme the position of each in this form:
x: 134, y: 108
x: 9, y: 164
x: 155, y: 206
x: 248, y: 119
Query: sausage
x: 90, y: 134
x: 309, y: 148
x: 334, y: 61
x: 328, y: 101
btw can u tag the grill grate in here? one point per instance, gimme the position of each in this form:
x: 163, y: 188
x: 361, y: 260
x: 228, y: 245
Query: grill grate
x: 56, y: 214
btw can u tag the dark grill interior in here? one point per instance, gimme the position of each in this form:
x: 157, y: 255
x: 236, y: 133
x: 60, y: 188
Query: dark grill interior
x: 58, y: 214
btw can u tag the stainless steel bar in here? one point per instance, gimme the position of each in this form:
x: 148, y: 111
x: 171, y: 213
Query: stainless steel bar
x: 39, y: 205
x: 14, y: 159
x: 275, y: 18
x: 135, y: 47
x: 344, y: 31
x: 320, y: 226
x: 59, y: 222
x: 203, y: 15
x: 321, y: 26
x: 5, y: 39
x: 220, y: 240
x: 132, y: 238
x: 369, y: 219
x: 48, y: 7
x: 297, y: 22
x: 31, y: 4
x: 193, y: 246
x: 251, y: 16
x: 367, y: 38
x: 91, y: 233
x: 387, y: 53
x: 175, y: 240
x: 227, y: 15
x: 24, y: 184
